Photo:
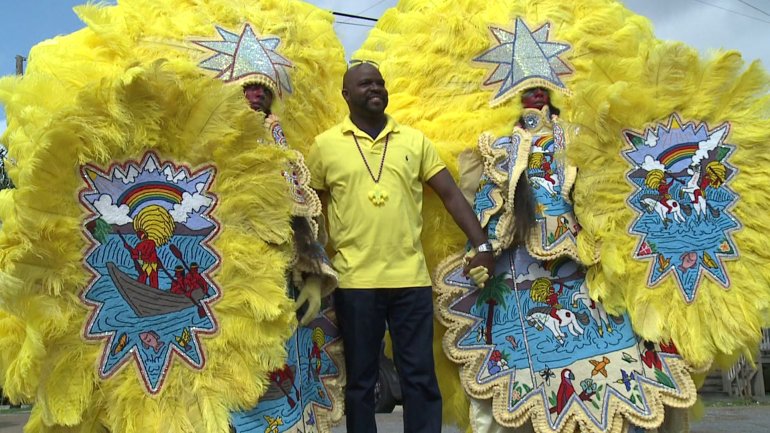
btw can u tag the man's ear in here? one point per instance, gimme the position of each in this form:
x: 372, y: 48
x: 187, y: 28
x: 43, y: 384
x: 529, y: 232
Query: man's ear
x: 345, y: 94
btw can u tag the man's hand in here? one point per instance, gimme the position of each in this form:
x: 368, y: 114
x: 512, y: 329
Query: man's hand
x: 479, y: 275
x: 479, y: 266
x: 310, y: 293
x: 465, y: 218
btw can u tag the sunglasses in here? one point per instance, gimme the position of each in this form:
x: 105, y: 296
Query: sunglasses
x: 355, y: 62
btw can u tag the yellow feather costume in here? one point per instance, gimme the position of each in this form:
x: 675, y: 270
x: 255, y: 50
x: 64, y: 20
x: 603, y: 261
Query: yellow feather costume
x: 129, y: 83
x: 669, y: 87
x: 625, y: 82
x: 425, y: 51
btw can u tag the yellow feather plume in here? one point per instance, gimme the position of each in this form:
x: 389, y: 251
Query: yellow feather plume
x: 720, y: 323
x: 127, y: 83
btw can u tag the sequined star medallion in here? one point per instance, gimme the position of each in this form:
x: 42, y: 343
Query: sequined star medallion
x: 248, y: 57
x: 523, y: 59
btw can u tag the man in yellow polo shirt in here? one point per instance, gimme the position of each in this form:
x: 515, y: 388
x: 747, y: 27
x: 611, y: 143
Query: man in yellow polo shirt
x: 372, y: 171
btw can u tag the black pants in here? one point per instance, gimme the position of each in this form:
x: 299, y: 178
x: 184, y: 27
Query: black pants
x: 362, y: 314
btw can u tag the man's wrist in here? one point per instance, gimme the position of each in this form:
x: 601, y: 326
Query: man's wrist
x: 484, y: 247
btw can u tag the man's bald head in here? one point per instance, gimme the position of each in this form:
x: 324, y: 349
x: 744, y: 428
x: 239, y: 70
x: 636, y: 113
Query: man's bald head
x: 364, y: 90
x: 356, y: 70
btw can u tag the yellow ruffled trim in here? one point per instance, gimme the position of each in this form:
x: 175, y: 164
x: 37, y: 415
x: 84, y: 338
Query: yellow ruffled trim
x: 262, y: 80
x: 506, y: 182
x: 491, y: 157
x: 310, y: 205
x: 311, y: 208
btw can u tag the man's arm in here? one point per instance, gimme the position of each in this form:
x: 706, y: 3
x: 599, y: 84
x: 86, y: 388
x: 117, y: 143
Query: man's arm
x: 463, y: 214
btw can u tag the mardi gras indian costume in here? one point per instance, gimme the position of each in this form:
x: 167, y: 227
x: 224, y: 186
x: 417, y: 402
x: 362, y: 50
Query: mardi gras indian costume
x: 304, y: 393
x: 143, y: 273
x: 513, y: 364
x: 530, y: 337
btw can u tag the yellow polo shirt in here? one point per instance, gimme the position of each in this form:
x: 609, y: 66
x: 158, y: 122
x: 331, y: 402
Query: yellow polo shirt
x: 375, y: 246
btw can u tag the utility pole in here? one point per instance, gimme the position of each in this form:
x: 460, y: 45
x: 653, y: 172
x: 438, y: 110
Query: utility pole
x: 20, y: 64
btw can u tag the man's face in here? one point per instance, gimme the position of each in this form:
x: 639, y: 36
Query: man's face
x: 260, y: 98
x: 536, y: 97
x: 364, y: 90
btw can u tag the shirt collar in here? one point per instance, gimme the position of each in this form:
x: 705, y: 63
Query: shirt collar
x: 349, y: 126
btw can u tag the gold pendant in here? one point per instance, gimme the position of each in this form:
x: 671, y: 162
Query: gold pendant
x: 378, y: 196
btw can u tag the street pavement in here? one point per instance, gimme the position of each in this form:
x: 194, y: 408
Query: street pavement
x: 738, y: 419
x: 734, y: 419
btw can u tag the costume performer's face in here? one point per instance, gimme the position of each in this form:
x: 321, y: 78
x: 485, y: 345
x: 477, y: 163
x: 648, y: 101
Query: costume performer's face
x: 364, y: 90
x: 536, y: 97
x: 260, y: 97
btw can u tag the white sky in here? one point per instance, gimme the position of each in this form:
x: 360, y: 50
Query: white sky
x: 704, y: 24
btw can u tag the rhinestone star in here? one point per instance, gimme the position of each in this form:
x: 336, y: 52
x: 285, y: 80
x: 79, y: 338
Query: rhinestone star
x: 523, y: 59
x: 239, y: 56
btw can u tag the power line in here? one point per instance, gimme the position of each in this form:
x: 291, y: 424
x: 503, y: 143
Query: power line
x: 372, y: 6
x: 358, y: 17
x: 354, y: 24
x: 754, y: 7
x: 731, y: 11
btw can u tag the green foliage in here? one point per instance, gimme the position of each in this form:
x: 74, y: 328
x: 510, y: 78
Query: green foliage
x: 101, y: 230
x: 636, y: 140
x: 494, y: 290
x: 663, y: 379
x: 722, y: 152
